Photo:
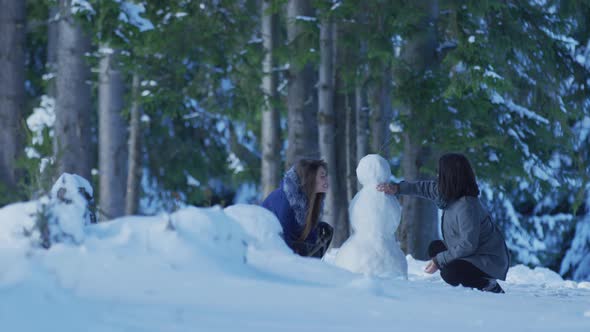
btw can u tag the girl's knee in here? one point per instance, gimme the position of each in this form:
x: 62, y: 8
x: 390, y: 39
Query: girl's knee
x: 450, y: 276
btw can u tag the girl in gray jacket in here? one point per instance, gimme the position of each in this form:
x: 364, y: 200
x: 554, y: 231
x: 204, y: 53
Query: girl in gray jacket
x: 473, y: 252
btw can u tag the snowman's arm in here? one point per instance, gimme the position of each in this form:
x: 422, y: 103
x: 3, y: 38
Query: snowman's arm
x: 424, y: 189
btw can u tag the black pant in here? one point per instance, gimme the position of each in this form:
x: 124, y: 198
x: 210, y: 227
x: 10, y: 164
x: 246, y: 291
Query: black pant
x: 459, y: 271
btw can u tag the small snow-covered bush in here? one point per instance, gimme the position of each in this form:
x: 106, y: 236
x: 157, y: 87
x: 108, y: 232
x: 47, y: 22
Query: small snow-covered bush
x: 61, y: 217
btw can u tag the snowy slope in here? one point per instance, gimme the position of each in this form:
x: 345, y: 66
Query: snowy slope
x: 226, y: 270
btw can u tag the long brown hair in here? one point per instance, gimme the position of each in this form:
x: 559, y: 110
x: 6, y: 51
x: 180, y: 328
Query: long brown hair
x: 307, y: 170
x: 456, y: 177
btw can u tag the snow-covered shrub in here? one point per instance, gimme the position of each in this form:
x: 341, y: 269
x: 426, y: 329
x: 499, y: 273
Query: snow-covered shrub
x: 62, y: 216
x: 537, y: 233
x: 576, y: 263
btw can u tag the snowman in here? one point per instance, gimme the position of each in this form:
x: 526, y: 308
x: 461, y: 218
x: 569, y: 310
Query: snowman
x: 372, y: 249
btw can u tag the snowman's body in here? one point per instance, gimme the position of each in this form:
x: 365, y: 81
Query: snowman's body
x: 372, y: 248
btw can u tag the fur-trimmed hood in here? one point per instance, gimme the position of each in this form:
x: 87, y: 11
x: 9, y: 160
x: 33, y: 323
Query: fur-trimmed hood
x: 291, y: 186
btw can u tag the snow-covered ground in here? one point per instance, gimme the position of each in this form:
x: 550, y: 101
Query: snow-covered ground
x: 228, y: 270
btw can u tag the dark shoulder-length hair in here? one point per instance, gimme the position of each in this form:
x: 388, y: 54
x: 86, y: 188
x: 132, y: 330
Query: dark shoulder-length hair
x: 456, y: 177
x: 307, y: 170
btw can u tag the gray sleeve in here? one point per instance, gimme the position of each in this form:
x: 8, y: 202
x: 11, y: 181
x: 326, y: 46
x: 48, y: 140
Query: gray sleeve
x: 467, y: 240
x: 424, y: 189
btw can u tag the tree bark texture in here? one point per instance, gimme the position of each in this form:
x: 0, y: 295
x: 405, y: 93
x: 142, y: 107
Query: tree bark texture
x: 134, y: 162
x: 271, y: 148
x: 341, y: 221
x: 327, y: 121
x: 112, y: 153
x: 12, y: 88
x: 73, y: 101
x: 419, y: 216
x: 302, y: 126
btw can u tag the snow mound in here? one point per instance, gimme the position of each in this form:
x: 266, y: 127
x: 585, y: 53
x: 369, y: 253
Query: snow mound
x: 186, y: 270
x: 15, y: 219
x: 541, y: 276
x: 260, y: 224
x: 214, y: 232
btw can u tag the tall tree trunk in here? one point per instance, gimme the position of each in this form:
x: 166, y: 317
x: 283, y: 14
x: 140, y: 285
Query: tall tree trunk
x: 326, y: 120
x: 341, y: 226
x: 385, y: 103
x: 419, y: 219
x: 112, y: 153
x: 381, y: 113
x: 271, y: 148
x: 339, y: 61
x: 52, y: 35
x: 12, y: 85
x: 350, y: 146
x: 362, y: 123
x: 134, y: 163
x: 302, y: 124
x: 73, y: 102
x: 376, y: 117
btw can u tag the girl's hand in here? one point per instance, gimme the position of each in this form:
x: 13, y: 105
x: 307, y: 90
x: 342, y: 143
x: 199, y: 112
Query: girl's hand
x: 389, y: 188
x: 431, y: 267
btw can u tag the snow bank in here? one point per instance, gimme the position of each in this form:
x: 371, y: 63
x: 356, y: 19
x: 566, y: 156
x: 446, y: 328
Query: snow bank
x: 213, y: 269
x: 14, y: 220
x: 261, y: 225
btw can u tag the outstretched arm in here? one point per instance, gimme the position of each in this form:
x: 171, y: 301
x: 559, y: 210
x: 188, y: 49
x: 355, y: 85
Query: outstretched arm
x: 424, y: 189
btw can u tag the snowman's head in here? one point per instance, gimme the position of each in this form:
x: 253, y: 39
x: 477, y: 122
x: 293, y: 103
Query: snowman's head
x: 372, y: 170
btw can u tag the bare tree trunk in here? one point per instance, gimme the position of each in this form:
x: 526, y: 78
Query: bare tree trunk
x: 351, y: 162
x: 73, y: 102
x: 385, y: 104
x: 302, y: 125
x: 326, y: 120
x: 112, y: 153
x: 12, y: 87
x: 381, y: 113
x: 271, y: 148
x: 376, y: 118
x: 134, y: 163
x: 362, y: 123
x: 52, y: 35
x: 419, y: 219
x: 341, y: 224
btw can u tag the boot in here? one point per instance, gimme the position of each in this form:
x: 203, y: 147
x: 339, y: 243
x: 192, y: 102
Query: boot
x: 493, y: 286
